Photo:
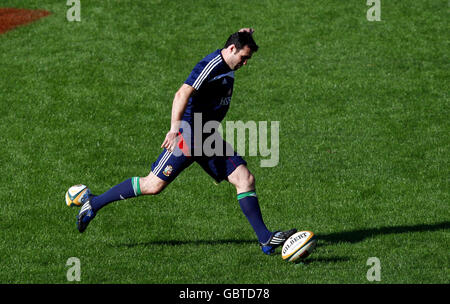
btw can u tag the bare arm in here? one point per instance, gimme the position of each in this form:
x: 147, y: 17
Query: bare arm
x: 179, y: 104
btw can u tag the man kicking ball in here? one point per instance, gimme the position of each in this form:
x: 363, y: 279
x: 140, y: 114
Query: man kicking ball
x: 206, y: 92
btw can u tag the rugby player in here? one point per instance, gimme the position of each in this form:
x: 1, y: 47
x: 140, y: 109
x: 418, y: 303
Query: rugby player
x: 206, y: 91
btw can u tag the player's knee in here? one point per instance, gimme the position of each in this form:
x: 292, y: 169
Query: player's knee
x: 246, y: 181
x: 151, y: 190
x: 242, y: 179
x: 149, y: 186
x: 250, y: 181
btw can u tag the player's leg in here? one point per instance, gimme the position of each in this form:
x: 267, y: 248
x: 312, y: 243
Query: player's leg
x: 132, y: 187
x: 164, y: 170
x: 152, y: 184
x: 244, y: 181
x: 129, y: 188
x: 234, y: 169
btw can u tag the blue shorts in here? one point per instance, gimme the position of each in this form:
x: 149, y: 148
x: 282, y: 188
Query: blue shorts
x: 170, y: 164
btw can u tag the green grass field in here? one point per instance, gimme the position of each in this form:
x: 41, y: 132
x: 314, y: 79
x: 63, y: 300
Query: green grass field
x: 364, y: 141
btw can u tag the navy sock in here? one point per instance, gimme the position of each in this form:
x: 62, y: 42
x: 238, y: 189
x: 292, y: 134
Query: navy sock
x: 250, y: 207
x: 127, y: 189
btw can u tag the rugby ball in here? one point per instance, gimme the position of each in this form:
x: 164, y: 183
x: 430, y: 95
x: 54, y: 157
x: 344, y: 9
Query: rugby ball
x: 298, y: 246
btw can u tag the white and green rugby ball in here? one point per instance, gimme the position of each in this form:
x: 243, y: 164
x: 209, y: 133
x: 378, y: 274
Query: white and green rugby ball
x: 299, y: 246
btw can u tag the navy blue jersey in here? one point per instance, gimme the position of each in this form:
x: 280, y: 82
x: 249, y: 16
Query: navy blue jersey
x: 213, y: 82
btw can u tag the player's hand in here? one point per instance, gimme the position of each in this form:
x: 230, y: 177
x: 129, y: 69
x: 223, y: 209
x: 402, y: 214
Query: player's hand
x: 170, y: 141
x: 247, y: 29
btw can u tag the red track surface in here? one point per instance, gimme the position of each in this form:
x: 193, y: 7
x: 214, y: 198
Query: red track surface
x: 14, y: 17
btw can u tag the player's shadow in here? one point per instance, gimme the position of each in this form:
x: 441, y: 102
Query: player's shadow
x: 356, y: 236
x: 310, y: 260
x: 186, y: 242
x: 353, y: 236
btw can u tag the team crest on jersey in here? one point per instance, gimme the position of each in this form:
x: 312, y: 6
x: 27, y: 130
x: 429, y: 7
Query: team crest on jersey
x: 168, y: 170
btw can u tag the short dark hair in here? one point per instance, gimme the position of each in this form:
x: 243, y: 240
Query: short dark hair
x: 241, y: 39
